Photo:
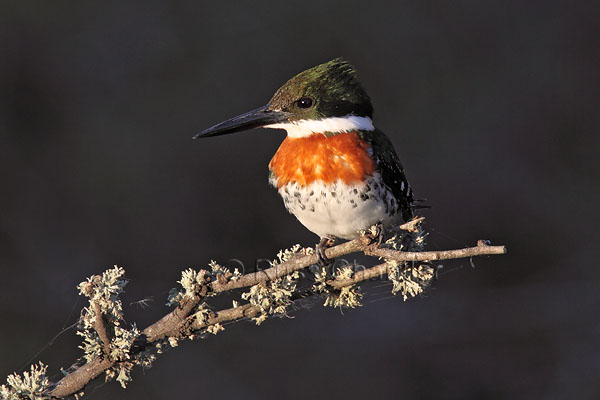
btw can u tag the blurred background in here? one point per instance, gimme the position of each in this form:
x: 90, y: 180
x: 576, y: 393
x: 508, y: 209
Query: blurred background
x: 493, y: 108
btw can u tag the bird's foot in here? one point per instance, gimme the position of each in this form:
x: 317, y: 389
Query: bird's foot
x: 323, y: 245
x: 376, y: 234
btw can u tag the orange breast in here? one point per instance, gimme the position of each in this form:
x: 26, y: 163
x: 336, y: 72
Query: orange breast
x: 305, y: 160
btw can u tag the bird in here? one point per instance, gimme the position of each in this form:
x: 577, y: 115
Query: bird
x: 335, y: 171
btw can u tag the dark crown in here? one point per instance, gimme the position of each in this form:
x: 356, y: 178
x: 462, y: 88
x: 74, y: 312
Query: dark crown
x: 327, y: 90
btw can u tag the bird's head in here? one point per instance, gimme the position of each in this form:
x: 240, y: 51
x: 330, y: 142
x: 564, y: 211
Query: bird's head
x: 324, y: 98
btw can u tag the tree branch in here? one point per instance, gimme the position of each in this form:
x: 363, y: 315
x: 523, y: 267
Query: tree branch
x: 479, y: 250
x: 300, y: 262
x: 100, y: 328
x: 183, y: 321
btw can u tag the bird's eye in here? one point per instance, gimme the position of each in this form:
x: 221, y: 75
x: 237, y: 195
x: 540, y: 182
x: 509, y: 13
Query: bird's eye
x: 305, y: 102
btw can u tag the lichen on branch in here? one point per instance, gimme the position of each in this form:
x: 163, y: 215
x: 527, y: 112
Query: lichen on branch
x: 31, y: 385
x: 102, y: 325
x: 114, y: 347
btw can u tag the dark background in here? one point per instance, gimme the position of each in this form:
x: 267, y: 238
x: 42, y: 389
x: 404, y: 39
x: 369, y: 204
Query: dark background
x: 492, y: 106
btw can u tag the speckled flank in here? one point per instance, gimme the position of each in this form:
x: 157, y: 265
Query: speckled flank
x: 339, y: 209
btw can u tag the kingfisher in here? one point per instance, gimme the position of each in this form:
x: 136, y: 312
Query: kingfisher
x: 336, y: 172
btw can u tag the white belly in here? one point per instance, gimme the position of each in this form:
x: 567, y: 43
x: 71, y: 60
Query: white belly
x: 339, y: 209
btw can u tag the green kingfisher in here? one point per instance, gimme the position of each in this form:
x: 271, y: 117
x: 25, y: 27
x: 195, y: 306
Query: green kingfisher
x: 335, y: 171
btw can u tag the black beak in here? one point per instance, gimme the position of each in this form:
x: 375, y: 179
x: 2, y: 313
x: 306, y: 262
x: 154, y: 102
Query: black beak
x: 252, y: 119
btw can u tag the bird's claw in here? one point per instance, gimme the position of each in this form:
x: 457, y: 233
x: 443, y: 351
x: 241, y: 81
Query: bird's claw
x: 376, y: 234
x: 320, y: 249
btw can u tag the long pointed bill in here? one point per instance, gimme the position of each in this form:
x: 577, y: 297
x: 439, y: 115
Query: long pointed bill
x: 253, y: 119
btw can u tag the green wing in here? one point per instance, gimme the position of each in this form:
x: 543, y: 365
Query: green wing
x: 389, y: 167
